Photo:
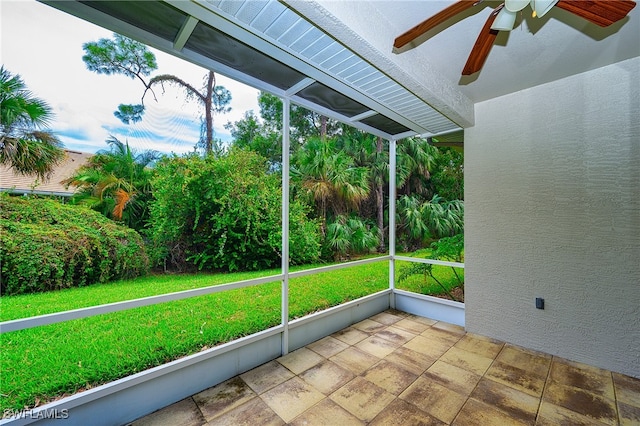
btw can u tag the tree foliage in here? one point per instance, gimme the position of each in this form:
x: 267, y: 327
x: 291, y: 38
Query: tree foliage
x: 117, y: 183
x: 124, y: 56
x: 345, y: 174
x: 25, y: 144
x: 223, y: 213
x: 45, y: 245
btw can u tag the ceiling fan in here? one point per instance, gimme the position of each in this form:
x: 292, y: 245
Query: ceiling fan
x: 600, y: 12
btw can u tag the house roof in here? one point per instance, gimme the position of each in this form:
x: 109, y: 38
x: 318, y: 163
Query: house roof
x: 336, y: 57
x: 10, y: 181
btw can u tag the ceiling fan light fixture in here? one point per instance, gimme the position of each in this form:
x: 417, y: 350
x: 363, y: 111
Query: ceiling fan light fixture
x: 541, y: 7
x: 515, y: 5
x: 505, y: 20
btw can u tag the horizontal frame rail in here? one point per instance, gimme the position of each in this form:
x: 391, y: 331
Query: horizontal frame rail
x: 25, y: 323
x: 432, y: 261
x: 58, y: 317
x: 322, y: 269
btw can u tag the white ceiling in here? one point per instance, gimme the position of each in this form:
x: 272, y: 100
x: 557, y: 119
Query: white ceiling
x: 537, y: 51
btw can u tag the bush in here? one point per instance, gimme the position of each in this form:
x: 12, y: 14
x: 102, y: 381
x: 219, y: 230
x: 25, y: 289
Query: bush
x: 223, y: 213
x: 45, y: 245
x: 351, y: 236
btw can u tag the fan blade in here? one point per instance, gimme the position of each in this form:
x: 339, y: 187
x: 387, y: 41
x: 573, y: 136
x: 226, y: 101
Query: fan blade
x: 433, y: 22
x: 483, y: 45
x: 600, y: 12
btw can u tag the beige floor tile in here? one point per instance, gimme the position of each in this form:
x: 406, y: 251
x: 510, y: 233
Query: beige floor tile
x: 292, y: 398
x: 411, y: 325
x: 377, y: 346
x: 354, y: 360
x: 629, y: 414
x: 396, y: 335
x: 516, y: 378
x: 390, y: 376
x: 410, y: 360
x: 266, y: 376
x: 182, y: 413
x: 440, y: 335
x: 554, y: 415
x: 253, y: 412
x: 224, y: 397
x: 517, y: 405
x: 422, y: 320
x: 582, y: 402
x: 327, y: 376
x: 470, y: 361
x: 387, y: 317
x: 432, y: 348
x: 480, y: 345
x: 300, y: 360
x: 588, y: 378
x: 401, y: 413
x: 452, y: 377
x: 328, y: 347
x: 352, y: 377
x: 362, y: 398
x: 451, y: 328
x: 369, y: 326
x: 350, y: 335
x: 627, y: 389
x: 535, y: 362
x: 475, y: 413
x: 326, y: 412
x: 433, y: 398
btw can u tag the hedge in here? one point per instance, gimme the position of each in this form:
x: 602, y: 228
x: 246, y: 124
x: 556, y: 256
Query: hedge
x: 46, y: 245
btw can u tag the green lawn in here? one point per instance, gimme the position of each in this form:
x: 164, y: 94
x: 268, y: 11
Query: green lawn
x: 46, y: 362
x: 426, y: 285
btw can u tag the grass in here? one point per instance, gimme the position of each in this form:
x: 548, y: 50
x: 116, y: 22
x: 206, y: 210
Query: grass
x: 425, y: 285
x: 48, y: 362
x: 42, y: 363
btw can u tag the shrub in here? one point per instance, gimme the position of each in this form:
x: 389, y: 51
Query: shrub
x: 447, y: 248
x: 223, y: 213
x: 350, y: 236
x: 45, y: 245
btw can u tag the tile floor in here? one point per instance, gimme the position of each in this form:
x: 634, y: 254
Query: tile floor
x: 399, y: 369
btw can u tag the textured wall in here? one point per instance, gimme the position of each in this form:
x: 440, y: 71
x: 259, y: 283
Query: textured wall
x: 552, y: 181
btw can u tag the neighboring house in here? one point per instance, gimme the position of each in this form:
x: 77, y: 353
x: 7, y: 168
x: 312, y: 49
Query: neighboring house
x: 15, y: 183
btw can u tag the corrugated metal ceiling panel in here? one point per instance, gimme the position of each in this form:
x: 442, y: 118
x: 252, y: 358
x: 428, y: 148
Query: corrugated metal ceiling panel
x: 264, y: 41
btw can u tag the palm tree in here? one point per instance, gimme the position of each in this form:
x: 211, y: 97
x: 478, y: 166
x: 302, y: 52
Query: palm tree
x: 25, y: 144
x: 330, y: 177
x: 369, y: 151
x: 415, y: 157
x: 116, y: 182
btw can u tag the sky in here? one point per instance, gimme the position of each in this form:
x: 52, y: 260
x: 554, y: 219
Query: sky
x: 44, y: 46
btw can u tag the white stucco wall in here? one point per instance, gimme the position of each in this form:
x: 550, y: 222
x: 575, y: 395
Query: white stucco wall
x: 552, y: 210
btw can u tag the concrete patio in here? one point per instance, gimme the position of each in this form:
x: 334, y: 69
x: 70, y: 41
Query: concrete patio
x: 400, y: 369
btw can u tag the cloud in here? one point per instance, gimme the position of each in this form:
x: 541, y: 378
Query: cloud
x: 48, y: 56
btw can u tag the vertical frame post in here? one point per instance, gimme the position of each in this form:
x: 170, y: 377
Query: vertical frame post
x: 392, y: 221
x: 286, y: 104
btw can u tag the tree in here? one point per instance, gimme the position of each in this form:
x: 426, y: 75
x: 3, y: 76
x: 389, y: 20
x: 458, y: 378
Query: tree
x: 330, y: 178
x: 448, y: 174
x: 419, y: 221
x: 117, y: 183
x: 369, y: 151
x: 127, y: 57
x: 415, y: 159
x: 223, y: 213
x: 25, y: 144
x: 249, y: 133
